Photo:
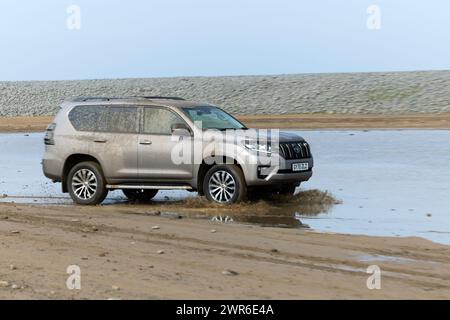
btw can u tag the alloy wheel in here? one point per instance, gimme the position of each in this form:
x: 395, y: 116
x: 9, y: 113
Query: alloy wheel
x: 84, y: 184
x: 222, y: 186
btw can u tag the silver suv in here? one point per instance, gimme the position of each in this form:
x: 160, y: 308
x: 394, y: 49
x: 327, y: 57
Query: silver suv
x: 144, y: 144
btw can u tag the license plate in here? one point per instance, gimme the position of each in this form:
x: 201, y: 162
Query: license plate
x: 300, y: 166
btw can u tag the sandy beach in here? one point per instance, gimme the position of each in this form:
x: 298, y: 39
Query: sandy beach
x: 130, y: 251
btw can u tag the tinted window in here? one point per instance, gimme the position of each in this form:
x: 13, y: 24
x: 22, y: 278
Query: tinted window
x: 105, y: 119
x: 160, y: 121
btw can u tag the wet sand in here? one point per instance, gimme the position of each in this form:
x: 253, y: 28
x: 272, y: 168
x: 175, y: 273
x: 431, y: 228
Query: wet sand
x: 299, y: 121
x: 24, y: 124
x: 350, y: 121
x: 117, y: 248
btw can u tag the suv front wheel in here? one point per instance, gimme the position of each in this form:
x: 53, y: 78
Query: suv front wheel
x: 86, y: 183
x: 225, y: 184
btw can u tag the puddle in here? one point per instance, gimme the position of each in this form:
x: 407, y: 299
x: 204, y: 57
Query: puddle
x: 284, y: 220
x: 392, y: 183
x: 276, y: 212
x: 288, y: 216
x: 221, y: 219
x: 277, y: 221
x: 383, y: 258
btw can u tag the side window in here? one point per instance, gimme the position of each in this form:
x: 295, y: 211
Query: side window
x: 114, y: 119
x: 84, y: 118
x: 159, y: 120
x: 118, y: 119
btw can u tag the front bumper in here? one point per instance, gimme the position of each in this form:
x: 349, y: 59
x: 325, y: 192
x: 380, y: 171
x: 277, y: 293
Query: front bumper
x: 260, y: 175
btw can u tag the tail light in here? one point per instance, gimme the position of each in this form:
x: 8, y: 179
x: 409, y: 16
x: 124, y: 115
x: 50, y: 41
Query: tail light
x: 49, y: 134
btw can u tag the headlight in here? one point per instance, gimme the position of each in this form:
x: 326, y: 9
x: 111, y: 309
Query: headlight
x: 259, y: 147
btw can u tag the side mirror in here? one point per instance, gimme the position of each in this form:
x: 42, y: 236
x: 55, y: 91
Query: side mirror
x: 180, y: 129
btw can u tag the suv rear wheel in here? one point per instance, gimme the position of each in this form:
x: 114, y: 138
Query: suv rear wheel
x: 86, y: 183
x: 225, y: 184
x: 141, y: 195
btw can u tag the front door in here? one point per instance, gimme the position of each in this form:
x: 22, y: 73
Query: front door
x: 157, y: 146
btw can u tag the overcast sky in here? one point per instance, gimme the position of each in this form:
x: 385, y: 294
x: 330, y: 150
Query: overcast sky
x: 154, y: 38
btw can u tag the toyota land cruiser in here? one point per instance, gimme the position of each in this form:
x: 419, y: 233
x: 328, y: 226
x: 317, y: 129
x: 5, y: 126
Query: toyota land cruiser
x: 144, y: 144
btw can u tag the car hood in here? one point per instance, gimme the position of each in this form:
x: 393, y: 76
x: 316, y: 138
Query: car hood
x: 263, y: 134
x: 290, y: 136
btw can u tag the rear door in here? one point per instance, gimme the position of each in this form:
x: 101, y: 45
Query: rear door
x: 112, y: 137
x: 156, y: 144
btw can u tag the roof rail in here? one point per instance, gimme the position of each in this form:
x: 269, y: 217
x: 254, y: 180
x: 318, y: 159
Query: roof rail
x: 85, y: 99
x: 162, y: 97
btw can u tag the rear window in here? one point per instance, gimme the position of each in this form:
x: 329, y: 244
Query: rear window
x: 105, y: 119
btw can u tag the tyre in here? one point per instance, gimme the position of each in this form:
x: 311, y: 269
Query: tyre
x: 225, y: 184
x: 86, y: 183
x: 140, y: 195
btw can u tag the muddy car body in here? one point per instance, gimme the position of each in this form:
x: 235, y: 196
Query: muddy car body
x: 100, y: 144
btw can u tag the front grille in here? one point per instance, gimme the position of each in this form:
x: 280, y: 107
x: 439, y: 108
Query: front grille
x: 295, y: 150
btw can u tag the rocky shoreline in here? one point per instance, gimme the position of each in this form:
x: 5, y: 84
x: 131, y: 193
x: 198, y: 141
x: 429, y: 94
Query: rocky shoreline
x: 349, y: 93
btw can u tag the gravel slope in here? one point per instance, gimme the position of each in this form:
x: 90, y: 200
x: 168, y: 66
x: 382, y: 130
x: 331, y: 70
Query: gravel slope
x: 427, y: 91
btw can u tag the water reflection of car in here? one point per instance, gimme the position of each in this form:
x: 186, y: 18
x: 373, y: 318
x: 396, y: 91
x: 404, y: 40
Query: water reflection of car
x: 99, y: 144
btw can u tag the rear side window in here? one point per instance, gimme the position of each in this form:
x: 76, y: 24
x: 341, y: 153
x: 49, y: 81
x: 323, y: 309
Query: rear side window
x: 160, y: 121
x: 105, y: 119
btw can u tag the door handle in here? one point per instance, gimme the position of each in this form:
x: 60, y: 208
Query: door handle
x: 145, y: 142
x: 100, y: 140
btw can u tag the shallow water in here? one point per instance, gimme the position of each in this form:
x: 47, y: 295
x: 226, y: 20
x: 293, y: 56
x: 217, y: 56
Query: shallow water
x: 392, y: 183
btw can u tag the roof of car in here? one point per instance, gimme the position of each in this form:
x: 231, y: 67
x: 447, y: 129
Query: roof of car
x: 145, y: 100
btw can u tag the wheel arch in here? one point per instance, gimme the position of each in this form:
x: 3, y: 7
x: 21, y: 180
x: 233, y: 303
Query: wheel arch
x: 208, y: 163
x: 71, y: 161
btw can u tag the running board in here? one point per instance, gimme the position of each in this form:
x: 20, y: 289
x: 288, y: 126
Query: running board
x: 153, y: 187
